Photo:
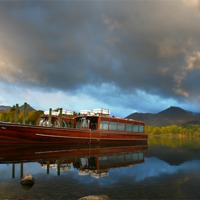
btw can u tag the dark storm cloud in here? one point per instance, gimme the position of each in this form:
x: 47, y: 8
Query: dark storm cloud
x: 131, y: 45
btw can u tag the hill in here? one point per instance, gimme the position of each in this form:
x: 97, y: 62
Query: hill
x: 4, y: 108
x: 21, y: 108
x: 170, y: 116
x: 12, y: 114
x: 28, y: 108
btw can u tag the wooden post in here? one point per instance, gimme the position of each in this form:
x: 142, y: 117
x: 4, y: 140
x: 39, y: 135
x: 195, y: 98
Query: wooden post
x: 48, y: 165
x: 21, y: 170
x: 24, y: 113
x: 58, y: 168
x: 50, y: 116
x: 60, y: 118
x: 13, y: 170
x: 16, y: 113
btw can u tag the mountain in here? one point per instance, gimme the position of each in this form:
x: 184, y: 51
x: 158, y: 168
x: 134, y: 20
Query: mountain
x: 4, y: 108
x: 170, y: 116
x: 28, y: 108
x: 21, y: 108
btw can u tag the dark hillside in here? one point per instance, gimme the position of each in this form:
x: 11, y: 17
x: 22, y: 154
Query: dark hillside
x: 170, y: 116
x: 175, y: 113
x: 21, y: 108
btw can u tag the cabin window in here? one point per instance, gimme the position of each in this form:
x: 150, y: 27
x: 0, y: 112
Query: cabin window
x: 141, y: 156
x: 41, y: 122
x: 70, y: 124
x: 56, y: 123
x: 108, y: 160
x: 78, y: 123
x: 44, y: 122
x: 129, y: 127
x: 85, y: 122
x: 135, y: 157
x: 93, y: 121
x: 121, y: 126
x: 128, y: 157
x: 141, y: 128
x: 104, y: 125
x: 135, y: 128
x: 112, y: 159
x: 113, y: 126
x: 82, y: 122
x: 103, y: 161
x: 64, y: 124
x: 120, y: 159
x: 93, y: 126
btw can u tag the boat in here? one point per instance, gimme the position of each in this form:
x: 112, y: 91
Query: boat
x: 65, y: 153
x: 88, y: 160
x: 83, y: 129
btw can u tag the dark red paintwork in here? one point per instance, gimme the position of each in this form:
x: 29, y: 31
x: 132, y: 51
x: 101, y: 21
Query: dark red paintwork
x: 85, y: 135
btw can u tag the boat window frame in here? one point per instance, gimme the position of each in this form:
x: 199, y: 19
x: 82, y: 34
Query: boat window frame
x: 122, y: 122
x: 78, y: 123
x: 101, y: 126
x: 56, y: 123
x: 135, y: 127
x: 113, y: 126
x: 139, y: 128
x: 130, y: 130
x: 64, y: 124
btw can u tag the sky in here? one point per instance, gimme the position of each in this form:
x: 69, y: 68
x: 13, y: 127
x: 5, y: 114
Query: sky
x: 124, y: 55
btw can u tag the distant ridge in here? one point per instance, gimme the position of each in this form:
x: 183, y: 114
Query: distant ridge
x: 170, y: 116
x: 175, y: 112
x: 4, y: 108
x: 7, y: 108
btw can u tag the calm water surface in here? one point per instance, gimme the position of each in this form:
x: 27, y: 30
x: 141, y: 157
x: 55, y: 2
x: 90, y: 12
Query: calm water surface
x: 166, y: 169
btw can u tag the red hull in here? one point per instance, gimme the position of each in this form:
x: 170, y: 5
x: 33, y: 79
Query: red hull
x: 97, y: 160
x: 47, y: 135
x: 32, y: 153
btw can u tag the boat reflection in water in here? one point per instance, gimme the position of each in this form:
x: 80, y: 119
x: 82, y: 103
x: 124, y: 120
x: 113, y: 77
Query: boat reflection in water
x: 87, y: 159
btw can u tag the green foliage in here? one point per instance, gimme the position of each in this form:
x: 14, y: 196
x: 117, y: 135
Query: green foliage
x: 191, y: 143
x: 13, y: 115
x: 174, y: 130
x: 33, y: 116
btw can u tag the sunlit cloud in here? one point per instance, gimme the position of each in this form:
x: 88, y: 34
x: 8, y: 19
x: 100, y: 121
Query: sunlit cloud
x: 193, y: 61
x: 191, y: 3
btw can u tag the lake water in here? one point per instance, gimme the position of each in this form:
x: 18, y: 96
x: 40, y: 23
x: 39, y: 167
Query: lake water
x: 165, y: 169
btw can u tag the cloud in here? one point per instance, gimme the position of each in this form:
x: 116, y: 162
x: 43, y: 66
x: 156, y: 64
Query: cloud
x: 128, y: 46
x: 193, y: 61
x: 158, y: 168
x: 192, y: 3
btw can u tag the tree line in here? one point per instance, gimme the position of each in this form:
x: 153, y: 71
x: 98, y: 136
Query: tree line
x: 17, y: 116
x: 186, y: 130
x: 24, y: 114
